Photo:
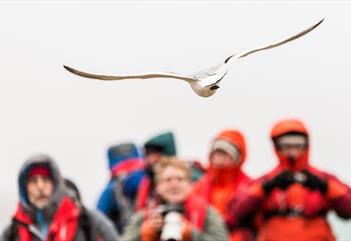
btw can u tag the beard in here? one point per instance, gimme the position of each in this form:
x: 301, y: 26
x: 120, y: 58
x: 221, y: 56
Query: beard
x: 40, y: 200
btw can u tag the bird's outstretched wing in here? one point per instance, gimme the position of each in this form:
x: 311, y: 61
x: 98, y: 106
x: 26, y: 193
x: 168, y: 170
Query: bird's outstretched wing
x: 124, y: 77
x: 296, y: 36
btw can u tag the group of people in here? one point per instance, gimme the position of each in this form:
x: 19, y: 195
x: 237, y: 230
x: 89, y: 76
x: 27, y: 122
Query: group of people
x: 157, y: 196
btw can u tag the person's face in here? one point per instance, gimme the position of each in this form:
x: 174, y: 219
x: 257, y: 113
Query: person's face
x: 153, y: 157
x: 292, y: 146
x: 173, y: 185
x: 220, y: 159
x: 39, y: 190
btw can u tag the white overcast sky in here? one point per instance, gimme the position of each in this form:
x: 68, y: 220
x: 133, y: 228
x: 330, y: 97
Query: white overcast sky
x: 46, y: 109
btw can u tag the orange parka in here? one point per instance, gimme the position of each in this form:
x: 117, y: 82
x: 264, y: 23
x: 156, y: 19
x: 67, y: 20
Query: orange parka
x: 296, y: 213
x: 219, y: 186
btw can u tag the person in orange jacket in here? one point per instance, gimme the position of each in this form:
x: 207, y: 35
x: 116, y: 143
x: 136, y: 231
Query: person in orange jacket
x: 225, y: 178
x: 293, y: 200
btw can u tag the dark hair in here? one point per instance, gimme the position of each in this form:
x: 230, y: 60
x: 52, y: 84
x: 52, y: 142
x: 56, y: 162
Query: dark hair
x: 150, y: 148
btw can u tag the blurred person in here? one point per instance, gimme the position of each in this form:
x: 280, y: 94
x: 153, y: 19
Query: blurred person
x: 225, y: 179
x: 197, y: 170
x: 292, y: 201
x: 178, y: 215
x: 95, y: 226
x: 45, y: 210
x: 118, y: 197
x: 154, y: 149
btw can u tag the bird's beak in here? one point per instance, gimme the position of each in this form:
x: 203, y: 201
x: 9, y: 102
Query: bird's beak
x: 214, y: 87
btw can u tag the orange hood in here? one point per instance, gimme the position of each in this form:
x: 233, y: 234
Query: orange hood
x: 235, y: 138
x: 285, y: 127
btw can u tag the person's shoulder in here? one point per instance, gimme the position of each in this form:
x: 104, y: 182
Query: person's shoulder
x: 98, y: 217
x: 244, y: 178
x: 138, y: 217
x: 198, y: 185
x: 4, y: 235
x: 212, y: 211
x: 319, y: 172
x: 271, y: 173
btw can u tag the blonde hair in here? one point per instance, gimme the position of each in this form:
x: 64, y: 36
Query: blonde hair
x: 172, y: 162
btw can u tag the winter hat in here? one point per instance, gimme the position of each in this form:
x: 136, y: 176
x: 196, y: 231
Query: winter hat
x: 163, y: 143
x: 38, y: 170
x: 227, y: 147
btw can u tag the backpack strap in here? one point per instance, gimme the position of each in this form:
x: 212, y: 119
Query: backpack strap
x: 13, y: 230
x: 85, y: 224
x: 31, y: 228
x: 125, y: 205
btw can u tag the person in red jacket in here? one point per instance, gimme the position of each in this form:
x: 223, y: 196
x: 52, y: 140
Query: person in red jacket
x: 47, y: 212
x: 44, y: 211
x: 225, y: 178
x: 291, y: 202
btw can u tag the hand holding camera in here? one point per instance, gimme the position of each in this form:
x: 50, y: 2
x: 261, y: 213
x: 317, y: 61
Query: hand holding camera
x: 169, y: 222
x: 286, y: 178
x: 155, y: 220
x: 315, y: 182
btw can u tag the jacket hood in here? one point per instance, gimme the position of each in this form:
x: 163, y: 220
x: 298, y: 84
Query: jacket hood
x: 119, y: 154
x: 235, y: 138
x: 285, y: 127
x: 58, y: 193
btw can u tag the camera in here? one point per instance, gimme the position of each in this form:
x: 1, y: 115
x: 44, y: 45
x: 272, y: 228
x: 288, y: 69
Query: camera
x: 172, y: 229
x: 300, y: 177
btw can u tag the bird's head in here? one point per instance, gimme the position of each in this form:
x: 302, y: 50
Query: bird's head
x: 204, y: 91
x: 208, y: 86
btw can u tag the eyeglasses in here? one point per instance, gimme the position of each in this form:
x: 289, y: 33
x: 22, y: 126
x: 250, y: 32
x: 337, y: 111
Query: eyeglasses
x: 170, y: 179
x: 291, y: 142
x: 289, y: 146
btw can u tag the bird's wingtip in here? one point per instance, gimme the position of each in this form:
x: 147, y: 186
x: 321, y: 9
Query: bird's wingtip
x: 69, y: 69
x: 320, y: 21
x: 227, y: 59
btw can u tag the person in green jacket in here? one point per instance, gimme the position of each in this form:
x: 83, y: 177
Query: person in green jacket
x: 154, y: 149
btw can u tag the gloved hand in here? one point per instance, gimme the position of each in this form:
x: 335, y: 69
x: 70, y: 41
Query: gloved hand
x: 283, y: 180
x: 315, y: 182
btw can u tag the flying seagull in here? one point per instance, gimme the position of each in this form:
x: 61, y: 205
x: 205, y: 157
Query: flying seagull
x: 204, y: 82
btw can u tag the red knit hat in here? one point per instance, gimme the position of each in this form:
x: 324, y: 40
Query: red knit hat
x: 39, y: 170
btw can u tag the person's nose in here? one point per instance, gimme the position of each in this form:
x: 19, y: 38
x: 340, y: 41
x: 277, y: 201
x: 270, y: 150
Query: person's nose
x: 173, y: 181
x: 294, y: 152
x: 219, y: 160
x: 40, y: 183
